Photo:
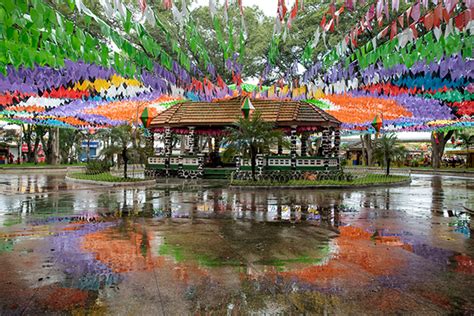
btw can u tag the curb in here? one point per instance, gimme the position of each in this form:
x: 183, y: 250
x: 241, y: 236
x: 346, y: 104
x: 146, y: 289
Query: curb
x: 45, y: 170
x: 325, y: 187
x: 113, y: 184
x: 435, y: 172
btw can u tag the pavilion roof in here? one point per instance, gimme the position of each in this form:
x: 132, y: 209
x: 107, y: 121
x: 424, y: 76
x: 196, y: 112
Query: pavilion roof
x: 224, y: 113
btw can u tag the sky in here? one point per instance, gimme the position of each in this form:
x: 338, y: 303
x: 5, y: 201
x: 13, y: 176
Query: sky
x: 269, y: 7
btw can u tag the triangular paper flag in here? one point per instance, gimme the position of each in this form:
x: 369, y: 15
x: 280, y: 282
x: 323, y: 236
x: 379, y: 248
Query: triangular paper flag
x: 247, y: 108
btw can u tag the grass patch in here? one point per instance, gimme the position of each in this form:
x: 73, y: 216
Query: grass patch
x: 364, y: 180
x: 104, y: 177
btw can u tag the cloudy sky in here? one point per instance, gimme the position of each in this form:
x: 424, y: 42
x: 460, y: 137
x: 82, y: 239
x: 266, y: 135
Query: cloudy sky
x: 268, y: 7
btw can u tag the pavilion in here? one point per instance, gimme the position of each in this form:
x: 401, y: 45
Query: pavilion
x: 200, y: 127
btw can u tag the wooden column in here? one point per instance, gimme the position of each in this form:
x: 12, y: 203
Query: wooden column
x: 168, y: 150
x: 192, y: 144
x: 304, y: 144
x: 325, y: 145
x: 293, y: 147
x: 337, y: 143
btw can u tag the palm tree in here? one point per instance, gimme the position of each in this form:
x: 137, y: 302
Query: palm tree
x: 251, y: 136
x: 467, y: 140
x: 386, y: 150
x: 125, y: 143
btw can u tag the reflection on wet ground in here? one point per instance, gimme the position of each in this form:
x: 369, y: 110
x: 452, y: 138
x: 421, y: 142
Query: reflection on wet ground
x: 184, y: 248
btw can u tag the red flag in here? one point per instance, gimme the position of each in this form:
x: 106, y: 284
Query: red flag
x: 294, y: 10
x: 428, y: 21
x: 438, y: 15
x: 281, y: 9
x: 167, y: 4
x: 393, y: 30
x: 445, y: 15
x: 142, y: 4
x: 323, y: 21
x: 330, y: 26
x: 371, y: 13
x: 459, y: 21
x: 220, y: 82
x: 332, y: 9
x: 413, y: 28
x: 338, y: 13
x: 400, y: 20
x: 240, y: 7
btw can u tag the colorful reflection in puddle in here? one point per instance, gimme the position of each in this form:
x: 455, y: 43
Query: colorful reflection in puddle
x: 204, y: 250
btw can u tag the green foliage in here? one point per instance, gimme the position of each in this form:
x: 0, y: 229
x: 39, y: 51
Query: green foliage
x: 69, y: 144
x: 467, y: 139
x: 97, y: 166
x: 387, y: 150
x: 251, y: 136
x: 256, y: 43
x: 127, y: 143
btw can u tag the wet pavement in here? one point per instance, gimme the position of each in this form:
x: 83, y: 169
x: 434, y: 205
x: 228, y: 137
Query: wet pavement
x: 194, y: 248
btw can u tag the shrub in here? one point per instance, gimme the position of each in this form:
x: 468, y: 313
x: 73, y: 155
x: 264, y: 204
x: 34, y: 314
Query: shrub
x: 97, y: 166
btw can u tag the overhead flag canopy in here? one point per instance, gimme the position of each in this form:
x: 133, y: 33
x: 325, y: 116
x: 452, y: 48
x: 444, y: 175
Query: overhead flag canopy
x: 415, y: 69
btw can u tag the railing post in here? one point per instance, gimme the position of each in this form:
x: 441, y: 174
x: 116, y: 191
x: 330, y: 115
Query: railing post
x: 200, y: 165
x: 180, y: 165
x: 238, y: 163
x: 260, y: 166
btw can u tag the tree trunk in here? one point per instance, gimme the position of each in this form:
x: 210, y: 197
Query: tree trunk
x: 253, y: 161
x: 49, y: 147
x: 437, y: 147
x: 34, y: 153
x: 388, y: 161
x: 367, y: 148
x: 88, y: 149
x: 27, y: 133
x: 125, y: 161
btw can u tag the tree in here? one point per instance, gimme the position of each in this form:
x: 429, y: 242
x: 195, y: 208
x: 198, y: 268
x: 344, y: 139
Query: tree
x: 127, y: 144
x: 467, y: 139
x: 69, y: 144
x: 251, y: 136
x: 367, y: 148
x: 49, y: 143
x: 438, y: 143
x: 387, y: 150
